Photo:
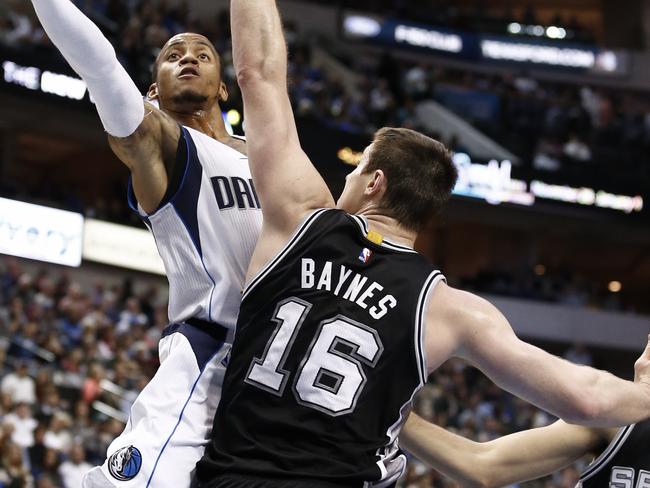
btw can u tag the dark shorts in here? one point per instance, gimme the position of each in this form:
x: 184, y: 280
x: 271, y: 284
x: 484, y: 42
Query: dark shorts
x: 240, y: 481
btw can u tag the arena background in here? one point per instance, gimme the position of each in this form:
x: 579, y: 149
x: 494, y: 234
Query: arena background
x: 545, y: 104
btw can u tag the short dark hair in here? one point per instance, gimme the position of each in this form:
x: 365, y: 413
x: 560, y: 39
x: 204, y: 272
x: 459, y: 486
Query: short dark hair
x: 420, y: 174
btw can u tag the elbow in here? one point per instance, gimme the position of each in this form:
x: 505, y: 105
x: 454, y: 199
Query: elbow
x: 249, y: 75
x: 483, y: 473
x: 259, y: 75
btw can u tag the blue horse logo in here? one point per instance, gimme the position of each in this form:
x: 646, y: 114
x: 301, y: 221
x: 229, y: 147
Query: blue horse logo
x: 125, y: 464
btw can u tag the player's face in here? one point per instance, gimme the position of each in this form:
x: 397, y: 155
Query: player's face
x: 352, y: 198
x: 189, y: 70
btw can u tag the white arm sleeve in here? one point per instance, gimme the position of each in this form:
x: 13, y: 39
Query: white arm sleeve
x: 89, y: 53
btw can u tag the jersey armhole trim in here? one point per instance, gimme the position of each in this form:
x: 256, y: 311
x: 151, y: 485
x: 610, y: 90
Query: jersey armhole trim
x: 615, y: 446
x: 420, y: 325
x: 295, y: 238
x: 175, y: 180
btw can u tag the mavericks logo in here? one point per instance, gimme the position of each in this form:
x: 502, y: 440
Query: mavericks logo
x: 125, y: 463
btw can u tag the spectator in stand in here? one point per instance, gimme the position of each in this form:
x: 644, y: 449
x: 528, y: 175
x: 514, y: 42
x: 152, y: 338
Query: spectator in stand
x: 417, y: 82
x: 91, y: 389
x: 23, y: 424
x: 57, y: 436
x: 19, y: 385
x: 49, y: 467
x: 132, y: 315
x: 74, y: 468
x: 576, y: 149
x: 46, y: 481
x: 14, y: 466
x: 36, y: 453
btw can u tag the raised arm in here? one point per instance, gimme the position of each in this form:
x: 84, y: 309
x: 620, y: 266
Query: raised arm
x: 510, y: 459
x: 287, y: 183
x: 464, y: 325
x: 135, y: 139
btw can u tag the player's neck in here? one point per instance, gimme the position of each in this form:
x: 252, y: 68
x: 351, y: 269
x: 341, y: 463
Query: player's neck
x: 209, y: 122
x: 389, y: 228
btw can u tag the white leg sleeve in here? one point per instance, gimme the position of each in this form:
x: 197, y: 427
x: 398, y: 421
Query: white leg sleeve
x: 118, y: 100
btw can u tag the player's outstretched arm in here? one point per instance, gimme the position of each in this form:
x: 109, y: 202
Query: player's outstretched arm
x: 135, y: 139
x: 464, y: 325
x: 510, y: 459
x: 287, y: 183
x: 89, y: 53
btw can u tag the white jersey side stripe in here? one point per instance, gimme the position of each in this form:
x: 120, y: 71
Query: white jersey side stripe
x: 433, y: 279
x: 602, y: 460
x: 392, y: 470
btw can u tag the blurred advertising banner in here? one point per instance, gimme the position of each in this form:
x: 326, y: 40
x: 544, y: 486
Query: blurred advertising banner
x: 40, y: 73
x: 40, y: 233
x: 520, y: 45
x: 495, y: 181
x: 119, y: 245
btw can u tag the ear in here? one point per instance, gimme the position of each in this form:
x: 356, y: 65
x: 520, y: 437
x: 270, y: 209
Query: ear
x: 152, y: 94
x: 223, y: 92
x: 376, y: 185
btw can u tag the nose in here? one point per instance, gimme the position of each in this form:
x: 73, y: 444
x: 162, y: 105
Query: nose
x: 189, y: 58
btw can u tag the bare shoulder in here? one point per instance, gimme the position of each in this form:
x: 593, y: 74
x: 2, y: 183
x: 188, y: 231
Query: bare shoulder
x: 153, y: 140
x: 149, y: 153
x: 454, y: 320
x: 453, y: 304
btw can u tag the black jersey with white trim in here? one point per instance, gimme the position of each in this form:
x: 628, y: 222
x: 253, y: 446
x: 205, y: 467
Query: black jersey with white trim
x: 625, y: 463
x: 327, y: 357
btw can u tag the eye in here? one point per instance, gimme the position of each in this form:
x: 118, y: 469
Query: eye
x: 204, y: 57
x: 172, y: 56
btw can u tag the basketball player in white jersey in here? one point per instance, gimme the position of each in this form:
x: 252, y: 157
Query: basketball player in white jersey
x: 191, y: 184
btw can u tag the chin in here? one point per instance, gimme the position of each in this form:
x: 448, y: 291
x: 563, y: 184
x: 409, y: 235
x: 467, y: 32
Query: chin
x: 192, y: 97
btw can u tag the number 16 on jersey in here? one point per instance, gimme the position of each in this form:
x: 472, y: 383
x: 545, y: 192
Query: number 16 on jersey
x: 330, y: 377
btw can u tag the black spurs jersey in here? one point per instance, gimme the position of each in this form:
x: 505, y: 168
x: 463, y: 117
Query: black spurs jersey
x: 625, y: 463
x: 327, y: 358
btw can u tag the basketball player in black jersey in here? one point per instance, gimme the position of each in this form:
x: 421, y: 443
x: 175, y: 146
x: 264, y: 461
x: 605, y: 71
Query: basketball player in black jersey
x: 341, y: 321
x: 624, y: 460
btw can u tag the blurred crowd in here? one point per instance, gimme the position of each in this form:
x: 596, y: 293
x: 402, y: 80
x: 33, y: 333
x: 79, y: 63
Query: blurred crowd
x: 549, y: 126
x: 73, y: 359
x: 547, y: 285
x: 574, y: 131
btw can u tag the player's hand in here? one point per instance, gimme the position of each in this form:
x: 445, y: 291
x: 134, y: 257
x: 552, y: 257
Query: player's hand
x: 642, y: 366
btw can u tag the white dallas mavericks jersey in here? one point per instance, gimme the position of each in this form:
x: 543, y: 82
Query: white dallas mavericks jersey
x: 206, y: 232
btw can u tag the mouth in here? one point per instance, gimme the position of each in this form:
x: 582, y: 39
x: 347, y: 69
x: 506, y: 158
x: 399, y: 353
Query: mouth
x: 188, y: 72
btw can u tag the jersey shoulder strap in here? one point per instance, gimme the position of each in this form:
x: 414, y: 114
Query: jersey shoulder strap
x: 326, y: 217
